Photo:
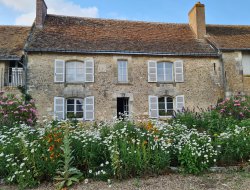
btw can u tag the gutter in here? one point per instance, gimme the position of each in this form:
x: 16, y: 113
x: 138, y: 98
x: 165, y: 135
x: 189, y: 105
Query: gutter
x: 9, y: 58
x: 121, y: 52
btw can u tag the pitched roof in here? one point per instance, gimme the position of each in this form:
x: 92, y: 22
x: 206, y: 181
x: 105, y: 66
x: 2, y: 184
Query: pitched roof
x: 88, y: 35
x: 12, y: 41
x: 229, y: 37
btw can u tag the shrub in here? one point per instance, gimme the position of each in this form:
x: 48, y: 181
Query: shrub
x: 233, y: 145
x: 15, y: 110
x: 236, y: 107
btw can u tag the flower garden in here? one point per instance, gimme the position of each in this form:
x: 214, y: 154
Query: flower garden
x: 67, y: 152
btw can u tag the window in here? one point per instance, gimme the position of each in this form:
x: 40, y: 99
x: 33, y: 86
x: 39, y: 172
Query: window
x: 14, y: 75
x: 80, y: 108
x: 164, y: 72
x: 122, y: 71
x: 74, y: 108
x: 246, y: 64
x: 166, y: 106
x: 75, y: 72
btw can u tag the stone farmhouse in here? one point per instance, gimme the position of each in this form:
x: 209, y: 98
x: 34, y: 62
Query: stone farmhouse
x: 95, y: 69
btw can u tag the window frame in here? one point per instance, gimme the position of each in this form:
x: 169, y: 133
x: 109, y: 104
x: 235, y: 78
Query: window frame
x: 164, y: 72
x: 166, y: 106
x: 75, y: 108
x: 75, y: 72
x: 123, y: 68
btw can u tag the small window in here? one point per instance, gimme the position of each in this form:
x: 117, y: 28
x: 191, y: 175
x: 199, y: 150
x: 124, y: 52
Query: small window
x: 122, y: 71
x: 164, y: 72
x: 75, y: 108
x: 166, y: 106
x: 75, y: 72
x: 246, y: 64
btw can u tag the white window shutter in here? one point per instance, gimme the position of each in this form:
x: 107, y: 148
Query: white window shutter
x: 180, y: 103
x: 152, y: 71
x: 59, y: 70
x: 59, y: 108
x: 89, y: 111
x: 153, y: 106
x: 89, y: 70
x: 179, y: 73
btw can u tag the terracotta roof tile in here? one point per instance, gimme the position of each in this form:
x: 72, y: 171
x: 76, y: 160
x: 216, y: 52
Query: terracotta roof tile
x: 12, y: 41
x: 61, y: 33
x: 229, y: 37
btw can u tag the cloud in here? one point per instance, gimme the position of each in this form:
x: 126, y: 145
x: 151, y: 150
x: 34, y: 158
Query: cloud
x: 26, y: 9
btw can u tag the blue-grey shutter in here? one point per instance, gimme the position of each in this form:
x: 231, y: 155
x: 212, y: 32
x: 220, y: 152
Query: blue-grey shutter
x: 59, y: 75
x: 59, y: 108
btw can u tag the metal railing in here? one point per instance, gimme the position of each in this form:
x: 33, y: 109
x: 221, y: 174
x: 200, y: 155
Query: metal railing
x: 14, y: 77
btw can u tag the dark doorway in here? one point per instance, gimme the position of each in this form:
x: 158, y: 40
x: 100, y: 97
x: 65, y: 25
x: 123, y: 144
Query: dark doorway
x: 122, y: 107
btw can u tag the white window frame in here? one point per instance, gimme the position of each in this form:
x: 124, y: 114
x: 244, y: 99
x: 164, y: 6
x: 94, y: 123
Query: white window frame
x: 164, y: 72
x: 75, y: 72
x: 121, y: 76
x: 166, y: 105
x: 75, y: 107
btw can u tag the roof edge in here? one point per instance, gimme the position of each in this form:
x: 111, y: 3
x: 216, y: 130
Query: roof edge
x: 123, y: 52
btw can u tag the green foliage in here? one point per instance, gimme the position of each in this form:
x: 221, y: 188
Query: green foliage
x: 67, y: 174
x: 233, y: 145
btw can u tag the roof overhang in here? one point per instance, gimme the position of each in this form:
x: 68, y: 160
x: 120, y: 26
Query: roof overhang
x: 215, y: 54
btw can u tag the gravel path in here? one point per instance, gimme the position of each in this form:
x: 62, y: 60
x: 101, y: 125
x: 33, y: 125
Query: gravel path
x: 228, y: 181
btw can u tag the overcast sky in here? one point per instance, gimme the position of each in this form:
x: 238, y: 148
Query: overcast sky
x: 22, y: 12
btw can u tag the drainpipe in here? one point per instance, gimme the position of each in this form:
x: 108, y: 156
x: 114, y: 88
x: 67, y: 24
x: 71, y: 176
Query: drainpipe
x: 224, y: 81
x: 25, y: 66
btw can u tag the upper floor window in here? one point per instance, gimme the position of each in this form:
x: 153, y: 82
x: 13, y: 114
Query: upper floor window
x: 122, y: 71
x: 74, y: 71
x: 246, y: 64
x: 165, y: 71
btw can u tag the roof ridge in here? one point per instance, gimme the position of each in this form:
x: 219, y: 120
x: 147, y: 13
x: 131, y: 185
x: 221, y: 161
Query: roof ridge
x: 228, y: 25
x: 23, y: 26
x: 117, y: 20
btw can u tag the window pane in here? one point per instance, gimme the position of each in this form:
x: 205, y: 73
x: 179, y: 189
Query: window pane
x: 122, y: 71
x: 168, y: 71
x: 70, y: 107
x: 79, y: 101
x: 79, y: 108
x: 70, y: 101
x: 79, y: 115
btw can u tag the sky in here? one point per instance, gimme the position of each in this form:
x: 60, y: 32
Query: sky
x: 22, y: 12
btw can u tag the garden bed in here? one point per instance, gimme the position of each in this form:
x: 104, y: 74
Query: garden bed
x: 218, y: 181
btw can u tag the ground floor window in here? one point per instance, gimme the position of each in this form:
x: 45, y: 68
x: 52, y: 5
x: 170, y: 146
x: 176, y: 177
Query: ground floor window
x: 166, y: 106
x: 74, y: 108
x: 78, y: 108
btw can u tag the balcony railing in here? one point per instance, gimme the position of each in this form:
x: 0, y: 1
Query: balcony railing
x: 14, y: 77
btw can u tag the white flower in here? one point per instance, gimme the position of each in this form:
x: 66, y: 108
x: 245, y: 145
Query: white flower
x: 86, y: 181
x: 2, y: 154
x: 101, y: 165
x: 109, y: 181
x: 22, y: 164
x: 107, y: 162
x: 90, y: 171
x: 32, y: 150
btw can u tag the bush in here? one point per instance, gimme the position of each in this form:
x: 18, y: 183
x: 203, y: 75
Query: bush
x: 233, y: 145
x: 237, y: 107
x: 15, y: 110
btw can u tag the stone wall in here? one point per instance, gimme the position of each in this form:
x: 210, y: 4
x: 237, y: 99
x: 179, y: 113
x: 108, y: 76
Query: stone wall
x: 202, y: 86
x: 235, y: 80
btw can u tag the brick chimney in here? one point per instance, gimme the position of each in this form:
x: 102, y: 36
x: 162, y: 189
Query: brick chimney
x: 197, y: 20
x: 41, y: 12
